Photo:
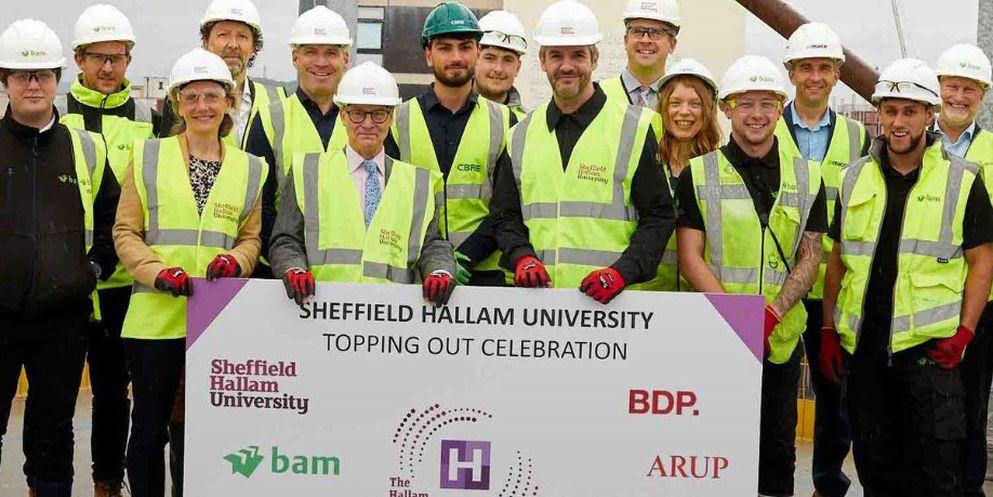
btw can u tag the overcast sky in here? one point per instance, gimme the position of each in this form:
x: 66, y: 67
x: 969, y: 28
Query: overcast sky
x: 168, y: 28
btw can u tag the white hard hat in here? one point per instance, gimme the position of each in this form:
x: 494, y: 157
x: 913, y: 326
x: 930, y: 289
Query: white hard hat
x: 102, y: 22
x: 656, y: 10
x: 813, y: 40
x: 243, y: 11
x: 320, y: 26
x: 30, y: 44
x: 567, y: 23
x: 910, y: 79
x: 966, y: 61
x: 368, y: 84
x: 752, y: 73
x: 503, y: 29
x: 689, y: 67
x: 199, y: 65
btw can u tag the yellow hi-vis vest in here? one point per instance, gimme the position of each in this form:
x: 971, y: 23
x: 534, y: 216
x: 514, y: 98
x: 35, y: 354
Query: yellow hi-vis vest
x: 469, y: 185
x: 844, y: 148
x: 743, y: 255
x: 89, y: 158
x: 981, y: 153
x: 339, y: 247
x: 117, y: 135
x: 931, y: 269
x: 177, y: 233
x: 291, y: 131
x: 581, y: 218
x: 263, y: 97
x: 615, y: 91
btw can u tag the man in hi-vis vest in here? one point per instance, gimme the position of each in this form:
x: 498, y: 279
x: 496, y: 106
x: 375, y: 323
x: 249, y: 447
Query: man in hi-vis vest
x: 907, y: 280
x: 650, y: 29
x: 752, y: 216
x: 354, y: 214
x: 964, y: 73
x: 580, y: 199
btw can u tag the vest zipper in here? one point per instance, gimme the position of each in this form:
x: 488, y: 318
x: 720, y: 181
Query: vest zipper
x: 29, y: 290
x: 889, y: 341
x: 762, y: 261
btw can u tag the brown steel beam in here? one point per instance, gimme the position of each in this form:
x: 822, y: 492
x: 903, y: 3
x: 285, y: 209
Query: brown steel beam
x: 782, y: 18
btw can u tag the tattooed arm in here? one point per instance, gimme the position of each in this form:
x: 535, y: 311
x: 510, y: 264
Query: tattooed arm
x: 804, y: 273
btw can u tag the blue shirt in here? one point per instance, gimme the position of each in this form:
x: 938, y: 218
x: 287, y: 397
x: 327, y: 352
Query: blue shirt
x: 960, y: 147
x: 812, y: 142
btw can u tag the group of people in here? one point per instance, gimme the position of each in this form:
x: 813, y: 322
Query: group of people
x: 877, y: 252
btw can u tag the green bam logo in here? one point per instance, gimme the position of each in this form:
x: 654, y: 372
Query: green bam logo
x: 245, y: 461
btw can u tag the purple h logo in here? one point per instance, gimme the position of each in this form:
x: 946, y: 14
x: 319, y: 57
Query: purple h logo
x: 465, y: 464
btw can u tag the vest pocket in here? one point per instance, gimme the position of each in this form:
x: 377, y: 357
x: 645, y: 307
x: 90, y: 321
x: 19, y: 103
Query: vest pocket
x: 858, y: 217
x: 934, y: 298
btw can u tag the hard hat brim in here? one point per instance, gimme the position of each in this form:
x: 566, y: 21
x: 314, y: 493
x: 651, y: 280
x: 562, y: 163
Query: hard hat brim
x: 707, y: 81
x: 983, y: 82
x: 310, y: 40
x: 386, y: 101
x: 59, y: 64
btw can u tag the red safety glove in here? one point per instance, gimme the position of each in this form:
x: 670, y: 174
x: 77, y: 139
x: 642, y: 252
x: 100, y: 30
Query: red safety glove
x: 175, y: 281
x: 299, y: 283
x: 947, y: 352
x: 603, y: 285
x: 437, y: 288
x: 223, y: 266
x: 529, y: 272
x: 772, y: 318
x: 830, y: 356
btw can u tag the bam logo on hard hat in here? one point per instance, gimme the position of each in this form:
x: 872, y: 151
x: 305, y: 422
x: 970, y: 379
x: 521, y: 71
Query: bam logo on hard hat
x: 104, y: 29
x: 764, y: 79
x: 965, y: 65
x: 33, y: 53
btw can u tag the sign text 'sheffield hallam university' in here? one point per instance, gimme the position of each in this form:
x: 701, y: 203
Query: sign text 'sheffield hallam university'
x: 504, y: 392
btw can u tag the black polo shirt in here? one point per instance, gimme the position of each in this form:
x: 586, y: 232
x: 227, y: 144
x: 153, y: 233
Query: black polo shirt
x: 977, y: 229
x: 761, y: 177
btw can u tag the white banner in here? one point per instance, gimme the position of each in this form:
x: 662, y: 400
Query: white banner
x: 505, y: 392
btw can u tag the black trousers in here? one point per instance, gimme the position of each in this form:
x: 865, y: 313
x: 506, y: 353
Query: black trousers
x: 156, y: 367
x: 908, y: 424
x: 977, y: 375
x: 777, y: 437
x: 109, y: 383
x: 51, y: 350
x: 832, y: 439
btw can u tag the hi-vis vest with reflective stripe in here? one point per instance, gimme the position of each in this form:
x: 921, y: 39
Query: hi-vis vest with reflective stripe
x: 981, y: 153
x: 469, y: 185
x: 844, y: 148
x: 291, y: 131
x: 177, y: 233
x: 581, y: 218
x: 118, y: 135
x: 339, y: 247
x: 743, y: 255
x: 264, y: 96
x: 615, y: 91
x: 89, y: 157
x: 931, y: 269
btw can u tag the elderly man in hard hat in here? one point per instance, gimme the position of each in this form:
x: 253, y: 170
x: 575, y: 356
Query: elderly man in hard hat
x: 450, y: 130
x: 650, y: 30
x: 55, y: 232
x: 307, y: 120
x: 503, y: 44
x: 908, y: 277
x: 964, y: 74
x: 100, y: 101
x: 814, y: 56
x: 752, y: 216
x: 337, y: 206
x: 232, y: 29
x: 581, y: 200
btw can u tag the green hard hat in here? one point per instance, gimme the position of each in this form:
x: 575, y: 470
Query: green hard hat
x: 450, y: 18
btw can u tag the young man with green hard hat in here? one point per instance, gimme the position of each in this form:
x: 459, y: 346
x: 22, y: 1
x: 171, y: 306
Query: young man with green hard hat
x: 450, y: 129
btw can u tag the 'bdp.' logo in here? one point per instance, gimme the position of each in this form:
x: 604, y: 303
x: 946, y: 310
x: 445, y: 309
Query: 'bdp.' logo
x: 245, y: 461
x: 465, y: 464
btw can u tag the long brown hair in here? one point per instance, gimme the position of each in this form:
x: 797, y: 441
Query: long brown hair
x: 709, y: 137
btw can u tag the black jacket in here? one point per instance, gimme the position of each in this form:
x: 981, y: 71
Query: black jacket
x: 44, y: 268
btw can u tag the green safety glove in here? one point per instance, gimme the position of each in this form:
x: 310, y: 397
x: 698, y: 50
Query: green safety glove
x: 463, y: 274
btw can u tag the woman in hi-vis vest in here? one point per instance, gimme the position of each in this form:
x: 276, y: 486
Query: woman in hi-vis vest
x: 190, y: 207
x: 688, y: 105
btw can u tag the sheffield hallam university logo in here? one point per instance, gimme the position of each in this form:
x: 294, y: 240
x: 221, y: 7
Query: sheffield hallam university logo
x: 465, y: 464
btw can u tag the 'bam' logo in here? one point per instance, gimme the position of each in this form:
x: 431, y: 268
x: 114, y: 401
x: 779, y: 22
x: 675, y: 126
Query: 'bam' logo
x: 33, y: 53
x: 245, y: 461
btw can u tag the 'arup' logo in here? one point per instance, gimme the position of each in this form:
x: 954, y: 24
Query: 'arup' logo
x: 245, y: 461
x: 465, y: 464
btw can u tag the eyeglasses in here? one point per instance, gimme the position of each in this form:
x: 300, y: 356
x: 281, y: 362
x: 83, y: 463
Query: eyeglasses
x: 379, y: 116
x: 115, y: 59
x: 26, y: 77
x: 512, y: 40
x: 209, y: 97
x: 765, y: 106
x: 654, y: 34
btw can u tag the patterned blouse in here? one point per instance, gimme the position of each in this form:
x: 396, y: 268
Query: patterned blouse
x: 203, y: 173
